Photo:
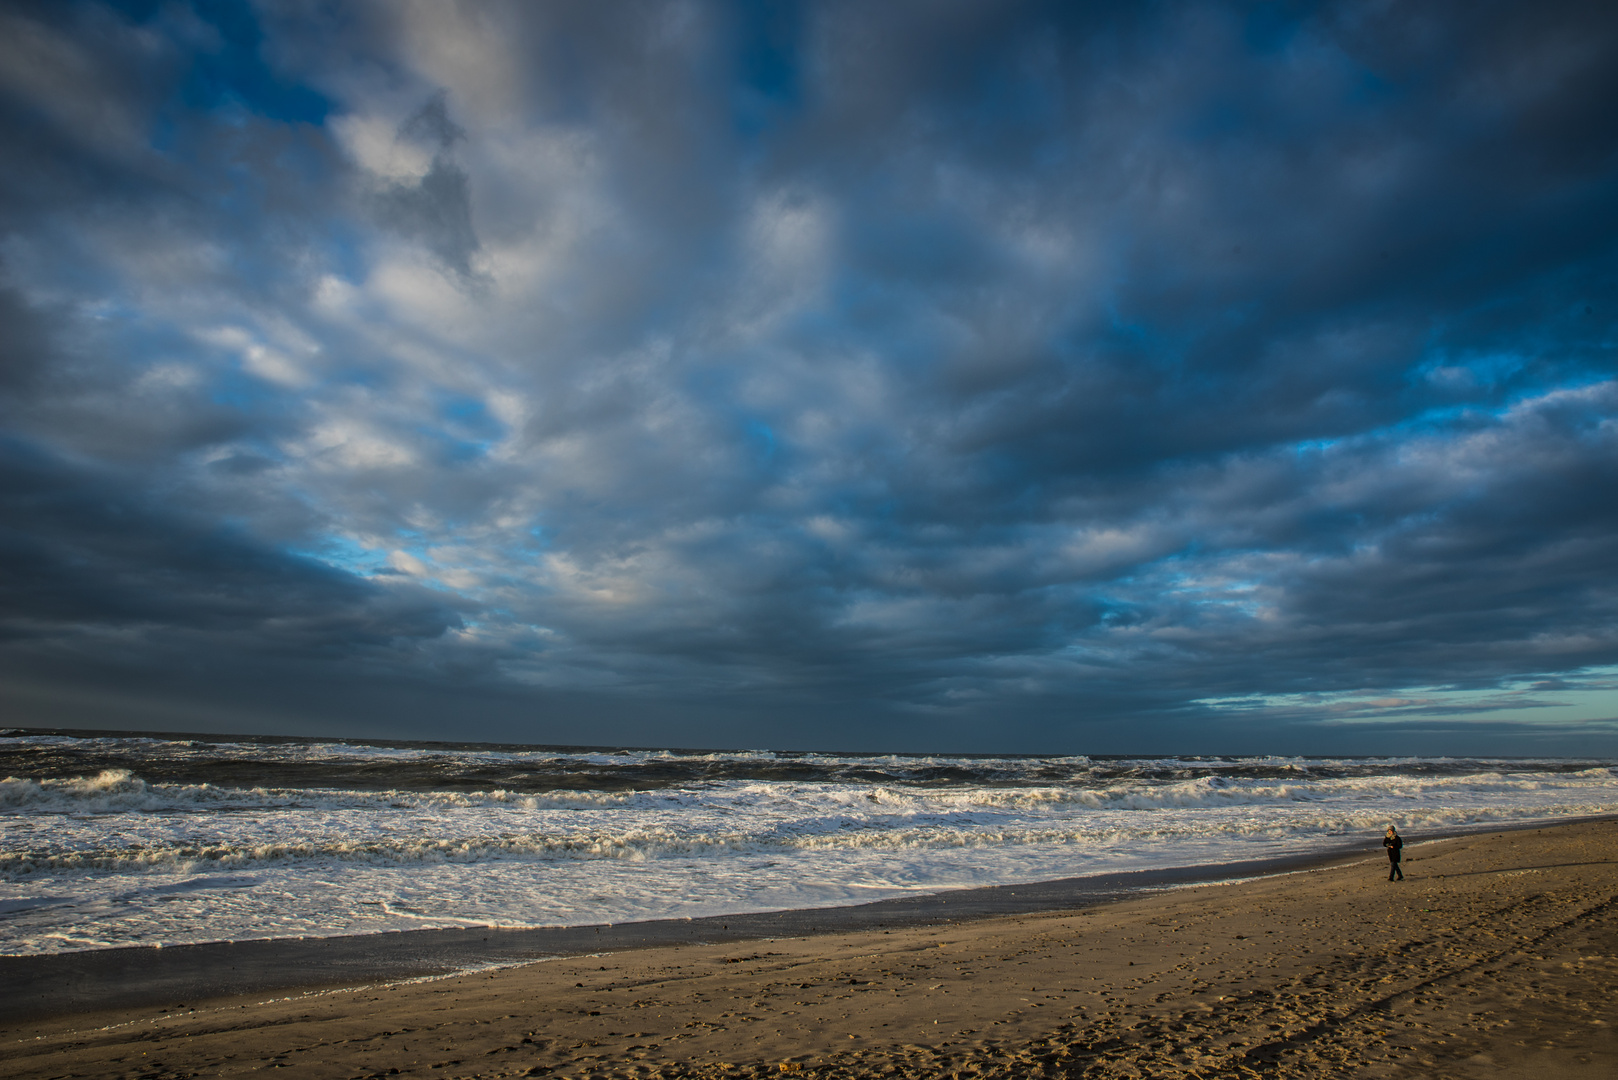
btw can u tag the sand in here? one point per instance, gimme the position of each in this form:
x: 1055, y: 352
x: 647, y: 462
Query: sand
x: 1496, y: 957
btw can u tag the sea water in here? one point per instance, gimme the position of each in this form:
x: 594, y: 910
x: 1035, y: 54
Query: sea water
x: 113, y: 841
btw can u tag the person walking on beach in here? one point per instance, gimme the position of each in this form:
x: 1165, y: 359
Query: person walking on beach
x: 1395, y: 844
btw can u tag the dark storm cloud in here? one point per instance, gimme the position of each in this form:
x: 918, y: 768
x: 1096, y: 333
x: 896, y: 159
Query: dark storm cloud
x: 994, y: 375
x: 86, y: 553
x: 436, y: 209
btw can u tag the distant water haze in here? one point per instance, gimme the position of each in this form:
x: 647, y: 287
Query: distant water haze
x: 144, y: 840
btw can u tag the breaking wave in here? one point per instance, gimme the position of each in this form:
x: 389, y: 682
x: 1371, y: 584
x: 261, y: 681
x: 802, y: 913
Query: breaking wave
x: 119, y: 791
x: 119, y: 840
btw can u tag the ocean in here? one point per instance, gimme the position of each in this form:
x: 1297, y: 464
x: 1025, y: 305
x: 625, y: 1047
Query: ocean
x: 109, y: 840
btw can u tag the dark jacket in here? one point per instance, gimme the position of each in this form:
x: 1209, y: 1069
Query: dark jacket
x: 1395, y: 844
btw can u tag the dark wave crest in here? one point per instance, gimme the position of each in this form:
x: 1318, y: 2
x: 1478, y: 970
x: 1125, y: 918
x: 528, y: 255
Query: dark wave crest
x: 289, y: 762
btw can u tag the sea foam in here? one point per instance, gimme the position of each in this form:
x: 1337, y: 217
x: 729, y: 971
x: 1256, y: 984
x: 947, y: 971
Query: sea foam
x: 121, y: 841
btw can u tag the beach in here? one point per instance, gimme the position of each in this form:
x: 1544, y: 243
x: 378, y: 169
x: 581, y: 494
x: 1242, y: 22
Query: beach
x: 1498, y: 956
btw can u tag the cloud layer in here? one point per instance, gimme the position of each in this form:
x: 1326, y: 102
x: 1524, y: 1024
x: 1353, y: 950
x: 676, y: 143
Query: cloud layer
x: 1003, y: 376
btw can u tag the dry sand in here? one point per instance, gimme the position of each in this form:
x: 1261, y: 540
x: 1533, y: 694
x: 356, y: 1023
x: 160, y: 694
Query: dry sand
x: 1497, y: 957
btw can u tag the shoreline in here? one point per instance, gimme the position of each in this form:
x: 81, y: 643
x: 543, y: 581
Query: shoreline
x: 55, y: 985
x: 1497, y: 957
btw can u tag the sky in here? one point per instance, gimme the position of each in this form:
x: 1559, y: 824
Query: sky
x: 913, y: 376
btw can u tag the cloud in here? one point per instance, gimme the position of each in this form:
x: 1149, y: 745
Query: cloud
x: 434, y: 209
x: 1012, y: 376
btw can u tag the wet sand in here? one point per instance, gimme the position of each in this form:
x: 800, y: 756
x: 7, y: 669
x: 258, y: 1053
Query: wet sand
x: 37, y: 987
x: 1497, y: 957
